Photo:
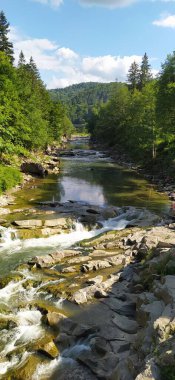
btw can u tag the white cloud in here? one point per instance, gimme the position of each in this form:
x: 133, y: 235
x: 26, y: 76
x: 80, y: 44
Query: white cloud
x: 107, y: 3
x: 62, y: 66
x: 165, y: 21
x: 100, y: 3
x: 66, y: 53
x: 52, y: 3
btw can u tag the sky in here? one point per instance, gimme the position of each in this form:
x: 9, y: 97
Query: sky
x: 74, y: 41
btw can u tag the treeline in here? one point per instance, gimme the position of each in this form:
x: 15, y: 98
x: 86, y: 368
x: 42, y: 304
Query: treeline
x: 81, y: 98
x: 29, y: 119
x: 139, y: 119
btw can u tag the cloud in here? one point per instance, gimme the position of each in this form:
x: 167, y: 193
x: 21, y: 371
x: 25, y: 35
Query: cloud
x: 108, y: 3
x: 166, y: 21
x: 52, y: 3
x: 90, y: 3
x: 66, y: 53
x: 61, y: 66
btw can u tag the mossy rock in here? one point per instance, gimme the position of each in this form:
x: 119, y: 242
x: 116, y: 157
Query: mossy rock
x: 30, y: 234
x: 27, y: 370
x: 4, y: 281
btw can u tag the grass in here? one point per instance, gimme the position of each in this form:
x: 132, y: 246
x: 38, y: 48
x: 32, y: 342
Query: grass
x: 9, y: 177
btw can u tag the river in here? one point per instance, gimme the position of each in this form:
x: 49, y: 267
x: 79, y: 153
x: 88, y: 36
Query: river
x: 87, y: 177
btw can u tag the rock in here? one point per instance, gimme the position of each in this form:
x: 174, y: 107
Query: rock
x: 60, y: 255
x: 42, y: 261
x: 64, y: 223
x: 49, y: 349
x: 54, y: 318
x: 33, y: 223
x: 151, y: 372
x: 95, y: 265
x: 122, y: 372
x: 69, y: 270
x: 95, y: 280
x: 27, y: 370
x: 125, y: 324
x: 34, y: 168
x: 53, y: 258
x: 101, y: 366
x: 123, y: 308
x: 93, y: 211
x: 150, y: 311
x: 79, y: 260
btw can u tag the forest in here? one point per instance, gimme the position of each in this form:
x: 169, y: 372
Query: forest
x: 80, y: 99
x: 139, y: 119
x: 29, y: 119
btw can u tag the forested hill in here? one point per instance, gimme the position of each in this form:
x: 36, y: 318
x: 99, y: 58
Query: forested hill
x: 81, y: 99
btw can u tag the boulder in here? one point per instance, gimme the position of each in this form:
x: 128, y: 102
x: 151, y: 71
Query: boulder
x: 49, y: 349
x: 34, y: 168
x: 53, y: 318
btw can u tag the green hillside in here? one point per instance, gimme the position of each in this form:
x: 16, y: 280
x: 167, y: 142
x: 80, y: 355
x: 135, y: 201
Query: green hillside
x: 80, y: 99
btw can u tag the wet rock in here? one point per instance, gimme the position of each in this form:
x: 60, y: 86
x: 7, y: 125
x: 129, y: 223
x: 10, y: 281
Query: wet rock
x: 54, y: 318
x: 26, y: 370
x: 34, y: 168
x: 49, y: 349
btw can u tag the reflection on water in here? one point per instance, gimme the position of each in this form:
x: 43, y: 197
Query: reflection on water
x: 78, y: 189
x: 96, y: 181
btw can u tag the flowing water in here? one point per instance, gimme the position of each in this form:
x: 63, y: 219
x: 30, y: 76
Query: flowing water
x: 87, y: 176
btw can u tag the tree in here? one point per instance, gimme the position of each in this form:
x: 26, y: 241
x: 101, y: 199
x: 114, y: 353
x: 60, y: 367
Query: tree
x: 133, y: 76
x: 165, y: 106
x: 22, y: 60
x: 5, y: 45
x: 145, y: 72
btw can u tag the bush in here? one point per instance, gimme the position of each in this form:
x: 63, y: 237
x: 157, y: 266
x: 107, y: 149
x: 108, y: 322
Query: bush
x: 9, y: 177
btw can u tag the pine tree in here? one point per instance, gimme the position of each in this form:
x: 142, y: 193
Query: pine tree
x: 145, y: 72
x: 5, y: 45
x: 133, y: 76
x: 33, y: 67
x: 22, y: 60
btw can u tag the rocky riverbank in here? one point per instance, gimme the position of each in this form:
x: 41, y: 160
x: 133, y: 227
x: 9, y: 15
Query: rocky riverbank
x: 122, y: 284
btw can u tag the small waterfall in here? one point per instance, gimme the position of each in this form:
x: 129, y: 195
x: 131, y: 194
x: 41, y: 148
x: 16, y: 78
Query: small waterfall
x: 8, y: 237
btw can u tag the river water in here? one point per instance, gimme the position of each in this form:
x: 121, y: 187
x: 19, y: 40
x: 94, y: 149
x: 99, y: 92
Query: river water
x: 86, y: 176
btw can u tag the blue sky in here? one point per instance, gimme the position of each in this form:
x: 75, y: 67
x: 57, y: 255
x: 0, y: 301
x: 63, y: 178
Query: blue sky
x: 90, y: 40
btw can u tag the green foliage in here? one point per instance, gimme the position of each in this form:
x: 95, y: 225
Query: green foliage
x: 5, y: 46
x: 29, y: 119
x: 168, y: 372
x: 9, y: 177
x: 80, y: 99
